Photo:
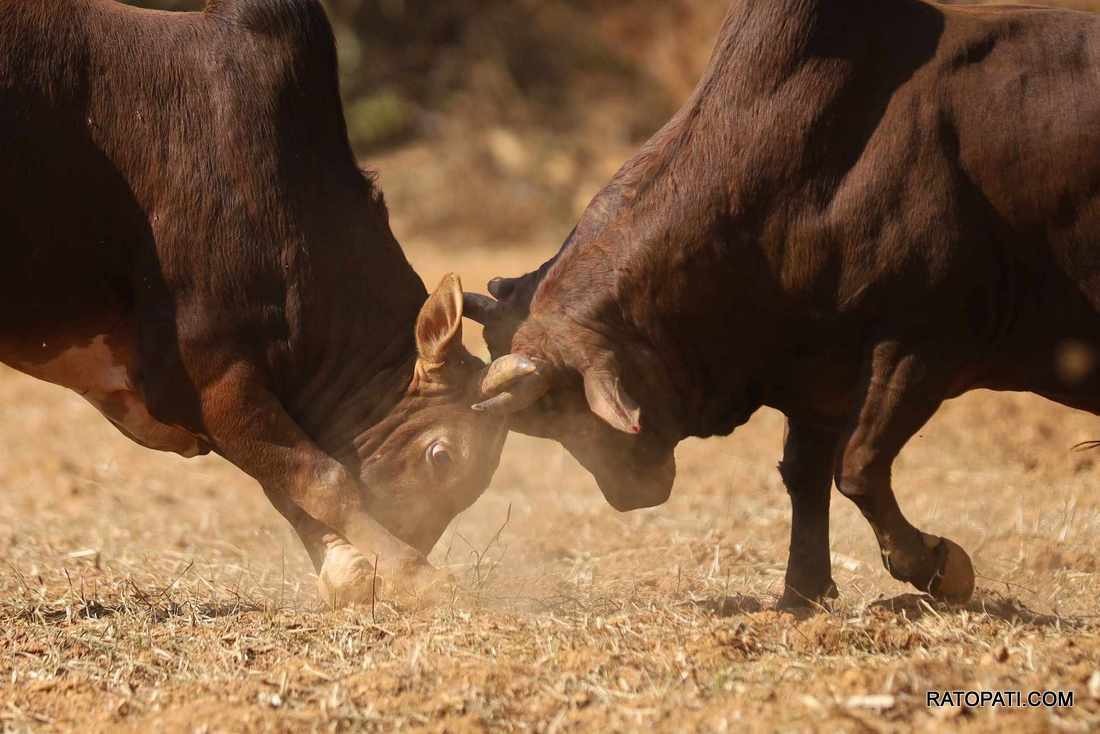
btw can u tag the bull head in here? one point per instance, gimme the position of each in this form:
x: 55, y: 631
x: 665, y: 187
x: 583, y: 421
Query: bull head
x: 515, y: 382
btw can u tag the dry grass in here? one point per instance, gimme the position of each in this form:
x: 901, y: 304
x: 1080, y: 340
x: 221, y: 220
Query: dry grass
x: 141, y: 591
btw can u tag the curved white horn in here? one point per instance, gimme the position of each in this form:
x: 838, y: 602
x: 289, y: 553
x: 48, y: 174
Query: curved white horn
x: 512, y: 383
x: 505, y: 371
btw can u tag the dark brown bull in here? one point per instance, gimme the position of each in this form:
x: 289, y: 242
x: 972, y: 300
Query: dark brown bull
x: 867, y: 207
x: 189, y: 243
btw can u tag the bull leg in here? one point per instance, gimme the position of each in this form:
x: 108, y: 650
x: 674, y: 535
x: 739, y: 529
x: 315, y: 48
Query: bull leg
x: 903, y: 391
x: 344, y: 575
x: 309, y: 531
x: 249, y: 427
x: 809, y: 454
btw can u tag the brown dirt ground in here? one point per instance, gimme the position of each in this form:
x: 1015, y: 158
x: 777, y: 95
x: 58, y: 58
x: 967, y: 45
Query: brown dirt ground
x: 142, y: 592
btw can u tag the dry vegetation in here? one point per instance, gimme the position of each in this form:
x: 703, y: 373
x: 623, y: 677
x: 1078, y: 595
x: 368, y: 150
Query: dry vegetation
x: 142, y: 592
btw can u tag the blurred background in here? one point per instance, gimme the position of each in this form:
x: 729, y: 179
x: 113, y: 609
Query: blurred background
x: 493, y: 122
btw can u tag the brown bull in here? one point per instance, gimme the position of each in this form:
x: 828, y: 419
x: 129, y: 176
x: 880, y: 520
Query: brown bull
x: 189, y: 244
x: 867, y: 207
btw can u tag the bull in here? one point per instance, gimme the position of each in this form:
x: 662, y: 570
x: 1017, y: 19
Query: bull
x: 190, y: 244
x: 866, y: 207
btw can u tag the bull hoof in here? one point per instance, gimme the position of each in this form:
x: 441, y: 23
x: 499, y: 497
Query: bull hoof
x: 346, y: 577
x: 954, y: 582
x: 795, y: 599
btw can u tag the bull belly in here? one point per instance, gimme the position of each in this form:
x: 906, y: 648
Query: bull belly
x: 102, y: 369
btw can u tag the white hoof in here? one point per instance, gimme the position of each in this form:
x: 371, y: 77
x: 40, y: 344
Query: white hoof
x: 347, y: 576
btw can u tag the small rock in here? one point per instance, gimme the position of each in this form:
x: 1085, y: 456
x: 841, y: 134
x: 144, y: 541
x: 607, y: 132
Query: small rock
x: 1094, y: 684
x: 879, y: 702
x: 273, y: 700
x: 846, y: 562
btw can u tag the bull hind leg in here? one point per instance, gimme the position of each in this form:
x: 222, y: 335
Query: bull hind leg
x: 809, y: 454
x: 903, y: 390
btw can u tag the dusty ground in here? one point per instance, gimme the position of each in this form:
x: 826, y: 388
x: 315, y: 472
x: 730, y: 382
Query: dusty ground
x: 139, y: 590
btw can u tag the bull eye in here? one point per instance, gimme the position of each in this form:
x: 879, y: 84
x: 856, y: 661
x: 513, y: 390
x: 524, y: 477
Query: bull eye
x: 439, y: 456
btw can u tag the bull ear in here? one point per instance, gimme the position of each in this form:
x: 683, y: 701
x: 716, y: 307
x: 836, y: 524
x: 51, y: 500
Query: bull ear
x: 608, y: 400
x: 439, y: 326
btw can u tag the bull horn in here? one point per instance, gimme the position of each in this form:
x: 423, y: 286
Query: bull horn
x: 504, y: 371
x: 511, y: 384
x: 501, y: 404
x: 502, y: 288
x: 481, y: 309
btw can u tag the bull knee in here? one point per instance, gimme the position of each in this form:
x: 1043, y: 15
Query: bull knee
x: 861, y: 471
x: 802, y: 477
x: 809, y: 456
x: 324, y: 491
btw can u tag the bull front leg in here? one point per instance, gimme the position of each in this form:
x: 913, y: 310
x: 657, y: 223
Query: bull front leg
x: 323, y: 502
x: 344, y: 575
x: 809, y: 454
x: 309, y: 531
x: 902, y: 392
